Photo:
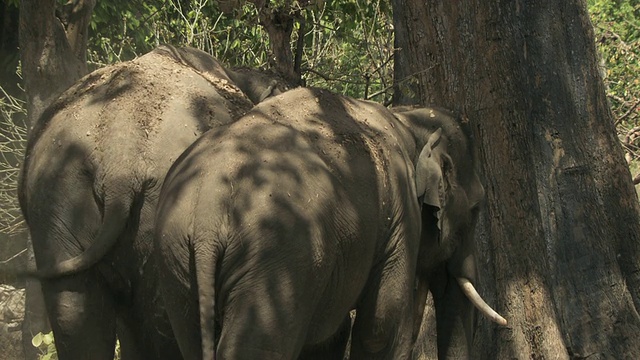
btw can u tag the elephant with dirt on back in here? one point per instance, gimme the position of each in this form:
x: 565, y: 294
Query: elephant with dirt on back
x: 93, y: 169
x: 271, y: 229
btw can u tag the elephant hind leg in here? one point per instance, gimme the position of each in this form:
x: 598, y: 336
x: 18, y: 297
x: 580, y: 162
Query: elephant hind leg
x: 260, y: 323
x: 334, y: 348
x: 128, y: 347
x: 82, y: 316
x: 182, y: 309
x: 143, y: 329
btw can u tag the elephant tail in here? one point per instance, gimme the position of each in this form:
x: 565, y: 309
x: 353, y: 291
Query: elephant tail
x: 114, y: 221
x: 205, y: 266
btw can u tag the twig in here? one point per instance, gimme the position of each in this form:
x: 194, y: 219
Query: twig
x: 627, y: 113
x: 405, y: 79
x: 13, y: 257
x: 385, y: 62
x: 329, y: 78
x: 379, y: 92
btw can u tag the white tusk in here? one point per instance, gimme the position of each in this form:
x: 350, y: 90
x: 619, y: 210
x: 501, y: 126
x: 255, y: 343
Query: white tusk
x: 478, y: 302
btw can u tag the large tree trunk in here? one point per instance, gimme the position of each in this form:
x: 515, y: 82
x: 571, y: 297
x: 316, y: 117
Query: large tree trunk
x: 52, y: 59
x: 9, y: 49
x: 559, y: 240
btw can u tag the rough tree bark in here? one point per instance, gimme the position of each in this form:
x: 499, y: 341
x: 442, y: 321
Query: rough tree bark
x: 9, y: 48
x: 559, y: 240
x: 53, y: 57
x: 278, y: 21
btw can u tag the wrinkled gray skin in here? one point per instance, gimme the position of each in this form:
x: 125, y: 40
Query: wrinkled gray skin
x: 452, y: 194
x: 94, y: 167
x: 272, y: 229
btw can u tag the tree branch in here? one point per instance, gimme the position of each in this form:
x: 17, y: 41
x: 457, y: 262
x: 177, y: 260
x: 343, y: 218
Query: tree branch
x: 78, y: 27
x: 627, y: 113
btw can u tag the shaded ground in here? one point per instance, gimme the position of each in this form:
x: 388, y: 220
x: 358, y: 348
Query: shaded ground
x: 11, y: 314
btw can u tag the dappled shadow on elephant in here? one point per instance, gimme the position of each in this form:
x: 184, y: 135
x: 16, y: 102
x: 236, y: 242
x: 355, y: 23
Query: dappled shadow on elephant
x: 271, y: 229
x: 271, y: 217
x: 94, y: 167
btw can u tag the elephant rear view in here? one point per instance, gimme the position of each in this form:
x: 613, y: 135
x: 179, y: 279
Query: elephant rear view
x: 272, y: 229
x: 93, y: 169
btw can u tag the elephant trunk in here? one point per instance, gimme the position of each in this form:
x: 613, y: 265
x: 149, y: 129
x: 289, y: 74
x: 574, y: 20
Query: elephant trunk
x: 478, y: 302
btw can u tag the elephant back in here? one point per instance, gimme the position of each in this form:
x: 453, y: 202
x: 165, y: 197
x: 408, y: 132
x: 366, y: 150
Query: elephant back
x: 337, y: 126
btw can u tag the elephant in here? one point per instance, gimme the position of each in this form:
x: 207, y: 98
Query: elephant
x: 270, y: 230
x: 94, y: 165
x: 451, y: 198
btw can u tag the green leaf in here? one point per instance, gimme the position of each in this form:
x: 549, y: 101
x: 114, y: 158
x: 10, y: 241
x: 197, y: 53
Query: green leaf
x: 48, y: 338
x: 37, y: 340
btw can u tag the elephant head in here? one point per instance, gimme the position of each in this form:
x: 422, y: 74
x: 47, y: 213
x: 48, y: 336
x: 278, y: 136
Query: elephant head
x: 450, y: 193
x: 256, y: 84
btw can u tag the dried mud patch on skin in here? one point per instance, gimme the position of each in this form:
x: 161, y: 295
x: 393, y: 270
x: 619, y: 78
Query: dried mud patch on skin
x: 71, y: 103
x: 150, y: 98
x: 237, y: 104
x: 137, y: 91
x: 133, y: 96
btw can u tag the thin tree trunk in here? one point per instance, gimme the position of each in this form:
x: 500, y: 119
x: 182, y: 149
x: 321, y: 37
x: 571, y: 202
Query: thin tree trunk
x: 559, y: 243
x: 278, y: 22
x: 77, y: 28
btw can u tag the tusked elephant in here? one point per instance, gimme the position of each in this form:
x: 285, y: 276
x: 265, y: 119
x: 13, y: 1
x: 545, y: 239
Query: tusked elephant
x: 451, y: 197
x: 271, y: 229
x: 94, y: 166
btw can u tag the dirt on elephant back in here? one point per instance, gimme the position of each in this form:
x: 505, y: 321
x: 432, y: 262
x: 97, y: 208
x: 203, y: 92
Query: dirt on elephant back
x: 149, y: 82
x: 154, y: 78
x: 238, y: 102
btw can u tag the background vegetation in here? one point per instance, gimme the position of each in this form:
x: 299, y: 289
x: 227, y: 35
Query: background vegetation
x: 348, y: 45
x: 617, y: 28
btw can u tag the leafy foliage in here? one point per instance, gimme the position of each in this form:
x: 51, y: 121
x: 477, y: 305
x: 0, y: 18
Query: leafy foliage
x: 237, y: 40
x: 45, y: 343
x: 348, y: 45
x: 349, y: 48
x: 617, y: 28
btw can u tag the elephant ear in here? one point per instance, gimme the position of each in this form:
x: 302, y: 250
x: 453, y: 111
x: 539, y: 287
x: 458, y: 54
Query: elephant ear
x: 429, y: 176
